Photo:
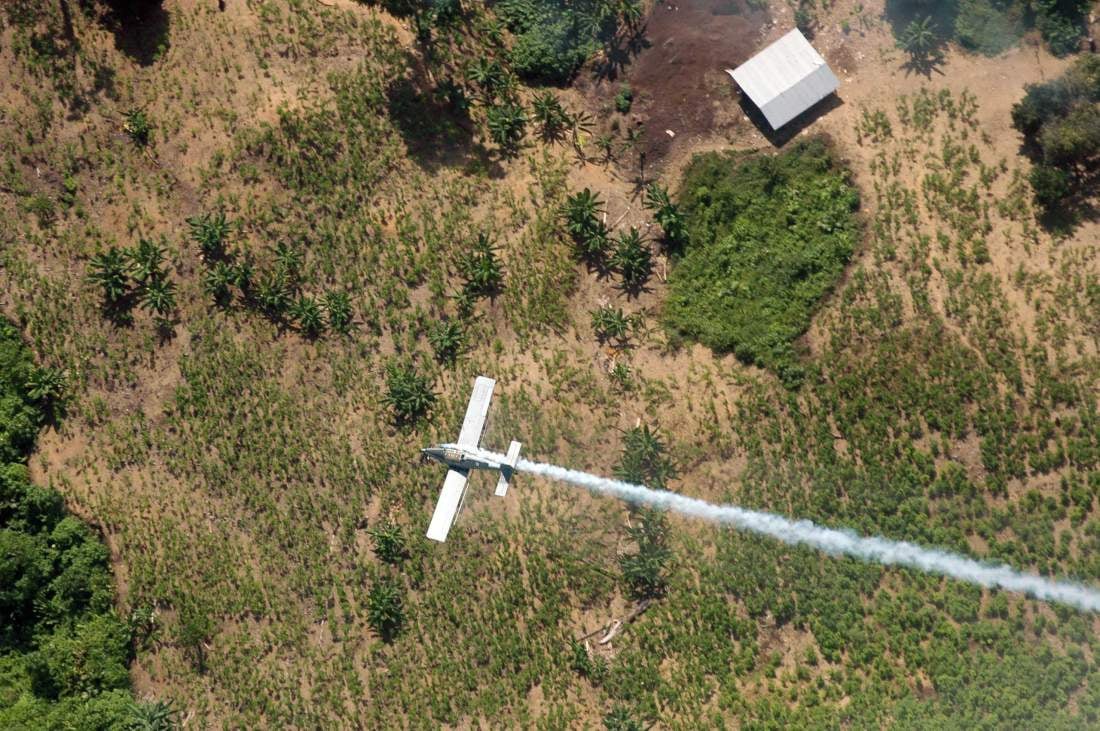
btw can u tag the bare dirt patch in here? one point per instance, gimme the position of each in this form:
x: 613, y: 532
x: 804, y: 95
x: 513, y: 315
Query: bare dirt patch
x: 678, y: 78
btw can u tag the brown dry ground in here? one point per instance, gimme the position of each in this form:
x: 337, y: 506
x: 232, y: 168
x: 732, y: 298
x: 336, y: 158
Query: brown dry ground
x: 212, y: 82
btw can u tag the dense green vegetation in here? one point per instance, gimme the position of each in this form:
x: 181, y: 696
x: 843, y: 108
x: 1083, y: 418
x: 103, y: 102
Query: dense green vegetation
x: 63, y: 651
x: 768, y: 237
x: 986, y: 26
x: 1060, y: 120
x: 554, y: 37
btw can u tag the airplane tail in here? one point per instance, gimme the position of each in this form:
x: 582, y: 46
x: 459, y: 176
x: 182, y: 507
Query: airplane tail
x: 507, y: 468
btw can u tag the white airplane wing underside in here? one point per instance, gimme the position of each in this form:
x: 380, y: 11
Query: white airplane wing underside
x: 476, y: 412
x: 446, y: 508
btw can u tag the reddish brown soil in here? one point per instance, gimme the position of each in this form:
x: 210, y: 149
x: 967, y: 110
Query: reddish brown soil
x: 679, y: 78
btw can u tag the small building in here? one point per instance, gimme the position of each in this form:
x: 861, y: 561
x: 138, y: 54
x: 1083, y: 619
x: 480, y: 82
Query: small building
x: 785, y: 79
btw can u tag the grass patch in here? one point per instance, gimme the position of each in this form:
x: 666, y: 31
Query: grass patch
x: 767, y: 238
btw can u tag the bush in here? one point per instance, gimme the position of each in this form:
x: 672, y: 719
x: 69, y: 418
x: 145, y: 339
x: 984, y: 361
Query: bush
x: 409, y: 393
x: 553, y: 39
x: 767, y: 238
x: 1050, y: 185
x: 624, y: 99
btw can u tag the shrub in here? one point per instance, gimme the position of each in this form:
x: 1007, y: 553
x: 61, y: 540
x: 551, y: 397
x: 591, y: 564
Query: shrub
x: 1051, y: 185
x: 137, y: 125
x: 767, y: 238
x: 385, y: 611
x: 409, y: 394
x: 624, y: 99
x: 986, y: 28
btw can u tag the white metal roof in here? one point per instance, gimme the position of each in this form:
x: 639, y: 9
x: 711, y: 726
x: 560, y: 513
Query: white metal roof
x: 786, y: 78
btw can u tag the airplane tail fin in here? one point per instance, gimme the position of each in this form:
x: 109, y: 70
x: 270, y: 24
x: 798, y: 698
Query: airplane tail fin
x: 507, y: 468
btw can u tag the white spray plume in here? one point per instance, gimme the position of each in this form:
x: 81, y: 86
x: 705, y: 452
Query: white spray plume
x: 832, y: 541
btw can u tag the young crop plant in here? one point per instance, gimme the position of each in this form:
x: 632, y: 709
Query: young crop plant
x: 447, y: 338
x: 506, y: 122
x: 308, y: 316
x: 624, y: 99
x: 110, y: 271
x: 644, y: 460
x: 582, y: 212
x: 385, y: 610
x: 210, y: 231
x: 481, y: 268
x: 146, y: 261
x: 136, y: 124
x: 409, y: 393
x: 549, y: 115
x: 389, y: 543
x: 217, y: 282
x: 644, y: 569
x: 338, y: 311
x: 609, y: 323
x: 667, y: 215
x: 633, y: 258
x: 619, y: 718
x: 158, y: 296
x: 769, y: 237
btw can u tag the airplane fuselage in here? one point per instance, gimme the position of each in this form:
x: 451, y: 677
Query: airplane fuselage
x: 461, y: 458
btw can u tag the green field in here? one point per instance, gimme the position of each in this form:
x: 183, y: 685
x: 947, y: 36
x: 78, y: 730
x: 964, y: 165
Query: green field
x: 265, y: 251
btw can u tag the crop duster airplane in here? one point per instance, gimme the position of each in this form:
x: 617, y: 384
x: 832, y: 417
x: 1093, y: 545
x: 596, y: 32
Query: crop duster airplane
x: 466, y: 455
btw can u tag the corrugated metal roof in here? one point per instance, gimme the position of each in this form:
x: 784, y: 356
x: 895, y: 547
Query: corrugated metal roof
x: 786, y: 78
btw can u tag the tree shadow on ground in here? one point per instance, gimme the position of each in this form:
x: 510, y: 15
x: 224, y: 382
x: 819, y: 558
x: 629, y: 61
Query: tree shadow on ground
x: 618, y: 53
x: 140, y: 28
x: 791, y: 129
x: 437, y: 129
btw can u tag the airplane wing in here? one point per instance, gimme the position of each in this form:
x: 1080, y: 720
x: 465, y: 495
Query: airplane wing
x: 450, y: 499
x: 476, y: 412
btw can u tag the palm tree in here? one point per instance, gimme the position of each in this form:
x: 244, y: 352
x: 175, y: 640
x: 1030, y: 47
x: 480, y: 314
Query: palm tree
x: 338, y: 309
x: 289, y: 260
x: 481, y: 268
x: 550, y: 115
x: 633, y: 259
x: 506, y: 124
x: 919, y: 37
x: 409, y: 393
x: 210, y: 232
x: 384, y: 608
x: 217, y: 281
x: 110, y: 270
x: 447, y: 338
x: 609, y: 322
x: 146, y: 259
x: 158, y: 296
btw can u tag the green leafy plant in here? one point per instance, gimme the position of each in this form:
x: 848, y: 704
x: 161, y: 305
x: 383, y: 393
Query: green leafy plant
x: 447, y: 338
x: 610, y: 323
x: 481, y: 268
x: 409, y: 393
x: 136, y: 124
x: 385, y: 610
x: 210, y: 231
x: 633, y: 259
x: 389, y: 543
x: 338, y: 309
x: 624, y: 99
x: 308, y: 316
x: 110, y: 270
x: 506, y: 122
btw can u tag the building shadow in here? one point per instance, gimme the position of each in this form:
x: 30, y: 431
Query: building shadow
x: 791, y: 129
x: 140, y: 28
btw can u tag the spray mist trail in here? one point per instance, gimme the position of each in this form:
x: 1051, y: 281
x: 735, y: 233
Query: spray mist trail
x: 832, y: 541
